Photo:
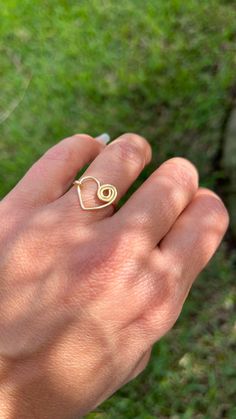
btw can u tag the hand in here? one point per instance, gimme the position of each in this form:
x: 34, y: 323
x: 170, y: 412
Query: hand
x: 85, y: 294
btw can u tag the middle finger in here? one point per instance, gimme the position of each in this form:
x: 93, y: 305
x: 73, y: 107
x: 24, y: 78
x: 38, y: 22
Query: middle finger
x: 155, y: 206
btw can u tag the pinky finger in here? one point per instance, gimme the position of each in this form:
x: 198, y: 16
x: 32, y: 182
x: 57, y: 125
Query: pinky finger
x: 195, y: 236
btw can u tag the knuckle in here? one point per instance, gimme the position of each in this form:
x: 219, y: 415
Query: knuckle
x: 214, y: 206
x: 158, y: 322
x: 166, y: 303
x: 132, y: 137
x: 141, y: 365
x: 219, y: 208
x: 131, y: 148
x: 182, y: 173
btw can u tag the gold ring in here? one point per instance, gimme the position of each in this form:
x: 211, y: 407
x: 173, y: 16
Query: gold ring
x: 106, y: 193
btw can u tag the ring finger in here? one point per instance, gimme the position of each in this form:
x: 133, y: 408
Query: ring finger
x: 119, y: 164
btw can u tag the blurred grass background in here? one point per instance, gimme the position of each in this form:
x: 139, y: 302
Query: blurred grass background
x: 164, y: 69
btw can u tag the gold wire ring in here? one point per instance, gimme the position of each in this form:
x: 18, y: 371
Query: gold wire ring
x: 108, y: 197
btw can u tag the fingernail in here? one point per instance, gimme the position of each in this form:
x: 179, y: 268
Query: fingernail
x: 104, y: 138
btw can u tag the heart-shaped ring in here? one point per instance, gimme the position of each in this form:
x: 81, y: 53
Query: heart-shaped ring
x: 106, y: 193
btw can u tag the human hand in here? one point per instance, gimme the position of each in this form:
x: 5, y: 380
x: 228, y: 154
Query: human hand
x: 85, y: 294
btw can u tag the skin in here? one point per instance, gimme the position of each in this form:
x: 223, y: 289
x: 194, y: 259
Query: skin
x: 85, y: 294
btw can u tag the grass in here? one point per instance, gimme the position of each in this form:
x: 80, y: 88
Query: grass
x: 163, y: 69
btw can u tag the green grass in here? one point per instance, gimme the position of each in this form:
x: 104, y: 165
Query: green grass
x: 160, y: 68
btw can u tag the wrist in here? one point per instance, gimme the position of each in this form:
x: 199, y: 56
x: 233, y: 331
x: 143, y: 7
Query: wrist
x: 17, y: 378
x: 26, y: 393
